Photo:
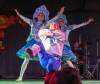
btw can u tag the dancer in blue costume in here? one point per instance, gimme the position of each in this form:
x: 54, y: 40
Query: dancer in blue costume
x: 40, y: 17
x: 51, y: 38
x: 69, y: 56
x: 50, y: 49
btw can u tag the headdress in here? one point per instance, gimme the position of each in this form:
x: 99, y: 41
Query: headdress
x: 42, y: 9
x: 64, y: 18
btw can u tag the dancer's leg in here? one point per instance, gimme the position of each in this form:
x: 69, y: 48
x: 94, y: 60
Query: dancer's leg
x: 70, y: 64
x: 30, y: 52
x: 23, y: 68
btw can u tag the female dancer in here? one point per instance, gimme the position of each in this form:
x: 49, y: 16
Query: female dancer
x: 66, y: 54
x: 69, y: 56
x: 50, y: 53
x: 40, y: 17
x: 50, y: 49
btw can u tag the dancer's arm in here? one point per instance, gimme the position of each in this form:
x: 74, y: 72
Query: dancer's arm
x: 56, y: 17
x: 83, y: 24
x: 25, y: 19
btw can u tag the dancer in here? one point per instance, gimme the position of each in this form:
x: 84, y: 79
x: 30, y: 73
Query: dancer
x: 50, y: 49
x: 51, y: 37
x: 66, y: 53
x: 40, y: 17
x: 69, y: 56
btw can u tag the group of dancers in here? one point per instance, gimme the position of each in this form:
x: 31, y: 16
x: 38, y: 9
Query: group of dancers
x: 48, y: 41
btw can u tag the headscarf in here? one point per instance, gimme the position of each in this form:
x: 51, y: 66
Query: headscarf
x: 42, y: 9
x: 64, y: 18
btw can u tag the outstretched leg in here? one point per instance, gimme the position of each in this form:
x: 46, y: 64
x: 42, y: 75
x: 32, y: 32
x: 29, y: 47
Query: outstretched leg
x: 70, y: 64
x: 23, y: 68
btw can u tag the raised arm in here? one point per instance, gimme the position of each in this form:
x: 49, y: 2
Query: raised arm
x: 83, y: 24
x: 57, y: 16
x: 25, y: 19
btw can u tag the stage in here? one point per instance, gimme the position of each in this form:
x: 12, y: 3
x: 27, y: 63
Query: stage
x: 23, y: 82
x: 41, y: 82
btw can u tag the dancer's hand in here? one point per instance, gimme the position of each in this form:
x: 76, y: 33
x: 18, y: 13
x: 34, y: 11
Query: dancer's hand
x: 61, y: 10
x: 90, y: 20
x: 16, y: 11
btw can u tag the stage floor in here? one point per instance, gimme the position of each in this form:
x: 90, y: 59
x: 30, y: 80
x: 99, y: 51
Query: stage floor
x: 23, y: 82
x: 41, y: 82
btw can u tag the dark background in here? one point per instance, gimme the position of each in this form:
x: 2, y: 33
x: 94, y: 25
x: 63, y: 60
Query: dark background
x: 76, y: 11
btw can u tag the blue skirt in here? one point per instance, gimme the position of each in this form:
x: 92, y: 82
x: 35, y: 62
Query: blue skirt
x: 68, y: 54
x: 22, y: 52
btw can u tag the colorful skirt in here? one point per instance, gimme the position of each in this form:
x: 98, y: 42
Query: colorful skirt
x: 22, y: 52
x: 68, y: 54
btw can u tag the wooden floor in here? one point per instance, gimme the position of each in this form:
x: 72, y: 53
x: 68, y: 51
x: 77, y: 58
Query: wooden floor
x: 41, y: 82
